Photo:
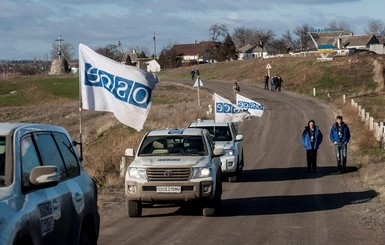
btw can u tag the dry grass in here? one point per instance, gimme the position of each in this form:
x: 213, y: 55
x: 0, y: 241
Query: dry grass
x: 367, y: 153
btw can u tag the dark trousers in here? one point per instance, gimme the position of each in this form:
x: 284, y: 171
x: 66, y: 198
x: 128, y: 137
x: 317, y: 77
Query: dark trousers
x: 267, y: 85
x: 311, y: 156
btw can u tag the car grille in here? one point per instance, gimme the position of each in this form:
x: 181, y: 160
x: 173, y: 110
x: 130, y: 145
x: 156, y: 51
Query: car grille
x: 168, y: 174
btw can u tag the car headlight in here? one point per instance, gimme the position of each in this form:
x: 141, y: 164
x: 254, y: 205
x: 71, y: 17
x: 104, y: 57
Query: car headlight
x: 137, y: 173
x: 201, y: 172
x: 229, y: 152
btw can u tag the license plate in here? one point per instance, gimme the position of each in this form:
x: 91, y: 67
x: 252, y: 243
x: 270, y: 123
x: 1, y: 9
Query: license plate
x: 168, y: 189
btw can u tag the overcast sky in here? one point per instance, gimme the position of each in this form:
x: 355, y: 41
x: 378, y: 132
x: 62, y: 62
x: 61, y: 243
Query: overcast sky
x: 28, y: 28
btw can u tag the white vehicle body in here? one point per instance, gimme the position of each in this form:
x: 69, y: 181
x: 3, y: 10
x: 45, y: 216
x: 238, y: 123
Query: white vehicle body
x: 45, y: 195
x: 174, y: 166
x: 225, y: 136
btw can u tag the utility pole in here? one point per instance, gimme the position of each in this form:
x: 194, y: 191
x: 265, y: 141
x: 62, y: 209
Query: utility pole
x: 59, y: 40
x: 154, y: 47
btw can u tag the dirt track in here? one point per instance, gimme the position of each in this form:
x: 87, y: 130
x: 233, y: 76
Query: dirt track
x: 276, y: 202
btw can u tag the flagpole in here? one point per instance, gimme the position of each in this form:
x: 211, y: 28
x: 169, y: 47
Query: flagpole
x: 80, y: 143
x: 199, y: 100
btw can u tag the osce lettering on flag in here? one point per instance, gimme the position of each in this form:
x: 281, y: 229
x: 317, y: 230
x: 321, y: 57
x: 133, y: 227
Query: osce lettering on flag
x: 107, y: 85
x: 225, y: 111
x: 253, y: 107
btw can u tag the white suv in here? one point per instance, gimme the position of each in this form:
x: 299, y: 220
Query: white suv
x: 45, y: 195
x: 225, y: 136
x: 174, y: 166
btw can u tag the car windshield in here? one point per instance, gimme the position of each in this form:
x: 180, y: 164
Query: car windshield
x: 2, y: 161
x: 173, y: 145
x: 222, y: 133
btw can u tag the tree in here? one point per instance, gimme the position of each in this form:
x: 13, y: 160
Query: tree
x: 377, y: 28
x: 340, y: 26
x: 262, y: 38
x: 169, y: 59
x: 280, y: 46
x: 291, y: 44
x: 228, y: 51
x: 242, y: 36
x: 111, y: 51
x: 142, y: 52
x: 218, y: 30
x: 304, y: 38
x: 66, y: 51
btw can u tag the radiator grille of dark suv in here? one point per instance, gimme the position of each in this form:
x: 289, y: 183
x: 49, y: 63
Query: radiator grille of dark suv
x: 168, y: 174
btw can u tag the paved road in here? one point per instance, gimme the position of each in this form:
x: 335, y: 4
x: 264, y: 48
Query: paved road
x: 276, y: 202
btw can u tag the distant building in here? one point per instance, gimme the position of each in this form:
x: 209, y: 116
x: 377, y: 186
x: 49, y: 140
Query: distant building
x: 153, y: 66
x: 377, y: 48
x: 252, y: 52
x: 344, y: 44
x: 196, y: 52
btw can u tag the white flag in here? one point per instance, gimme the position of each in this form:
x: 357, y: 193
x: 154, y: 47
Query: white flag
x: 253, y: 107
x: 225, y: 111
x: 107, y: 85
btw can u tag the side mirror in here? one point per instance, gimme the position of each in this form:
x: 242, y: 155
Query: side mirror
x: 219, y: 152
x: 239, y: 137
x: 44, y: 176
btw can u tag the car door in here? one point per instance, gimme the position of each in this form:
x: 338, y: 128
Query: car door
x: 57, y: 212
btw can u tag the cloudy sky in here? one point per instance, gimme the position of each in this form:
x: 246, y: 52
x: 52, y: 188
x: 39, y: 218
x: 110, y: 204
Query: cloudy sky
x: 28, y: 28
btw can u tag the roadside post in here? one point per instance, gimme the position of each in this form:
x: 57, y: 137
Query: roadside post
x: 268, y: 67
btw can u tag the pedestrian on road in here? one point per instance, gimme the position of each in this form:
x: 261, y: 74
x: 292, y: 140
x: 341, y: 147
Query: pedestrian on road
x: 236, y: 89
x: 192, y: 74
x: 311, y: 140
x: 340, y: 136
x: 197, y: 73
x: 266, y: 82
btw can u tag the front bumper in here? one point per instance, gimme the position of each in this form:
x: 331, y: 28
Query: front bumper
x: 146, y: 192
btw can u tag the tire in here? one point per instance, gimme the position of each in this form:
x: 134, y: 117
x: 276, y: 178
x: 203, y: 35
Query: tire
x: 233, y: 178
x: 87, y: 235
x: 134, y: 208
x: 208, y: 212
x: 212, y: 207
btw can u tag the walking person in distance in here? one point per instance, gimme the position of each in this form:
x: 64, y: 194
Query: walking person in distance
x: 311, y: 140
x: 340, y: 136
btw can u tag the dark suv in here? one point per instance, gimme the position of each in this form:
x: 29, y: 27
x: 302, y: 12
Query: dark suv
x: 45, y: 195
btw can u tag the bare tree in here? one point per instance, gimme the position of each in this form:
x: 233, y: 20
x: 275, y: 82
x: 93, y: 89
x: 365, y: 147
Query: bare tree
x: 377, y: 28
x: 242, y: 36
x: 291, y: 44
x: 261, y: 38
x: 280, y: 46
x: 340, y: 26
x: 304, y: 38
x: 111, y: 51
x: 218, y: 30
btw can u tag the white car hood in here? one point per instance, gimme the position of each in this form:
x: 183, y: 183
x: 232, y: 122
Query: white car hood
x: 174, y: 161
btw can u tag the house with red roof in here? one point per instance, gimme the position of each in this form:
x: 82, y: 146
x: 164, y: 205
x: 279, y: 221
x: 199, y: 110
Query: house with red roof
x: 196, y: 53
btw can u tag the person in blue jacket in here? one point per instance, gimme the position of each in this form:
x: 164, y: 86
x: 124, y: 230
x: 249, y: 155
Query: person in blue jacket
x: 340, y: 136
x: 311, y: 139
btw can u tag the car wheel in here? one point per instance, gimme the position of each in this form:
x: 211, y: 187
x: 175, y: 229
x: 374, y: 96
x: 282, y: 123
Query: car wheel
x: 134, y: 208
x: 212, y: 207
x: 233, y: 178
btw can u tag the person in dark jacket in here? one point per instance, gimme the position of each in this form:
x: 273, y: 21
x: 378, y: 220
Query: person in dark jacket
x: 340, y: 136
x: 311, y: 139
